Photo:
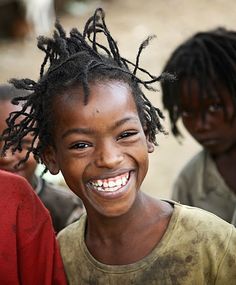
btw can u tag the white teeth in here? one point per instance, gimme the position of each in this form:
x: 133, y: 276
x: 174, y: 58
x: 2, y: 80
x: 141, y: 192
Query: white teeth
x: 124, y: 180
x: 110, y: 185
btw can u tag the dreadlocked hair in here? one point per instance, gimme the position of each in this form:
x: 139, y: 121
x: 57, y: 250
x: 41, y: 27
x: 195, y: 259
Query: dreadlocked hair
x: 209, y: 58
x: 77, y: 59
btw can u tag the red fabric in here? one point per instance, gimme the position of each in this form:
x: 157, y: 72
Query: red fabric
x: 29, y: 253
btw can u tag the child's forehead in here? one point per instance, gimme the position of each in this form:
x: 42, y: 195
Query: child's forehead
x: 95, y: 89
x: 106, y: 105
x: 204, y: 89
x: 103, y: 98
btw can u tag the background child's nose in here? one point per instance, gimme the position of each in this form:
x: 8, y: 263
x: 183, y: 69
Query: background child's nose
x: 201, y: 123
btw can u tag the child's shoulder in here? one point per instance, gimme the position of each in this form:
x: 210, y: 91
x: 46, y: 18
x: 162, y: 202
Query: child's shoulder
x: 194, y: 229
x: 204, y: 241
x: 193, y: 170
x: 73, y: 231
x: 196, y: 161
x: 201, y: 222
x: 71, y: 239
x: 15, y: 188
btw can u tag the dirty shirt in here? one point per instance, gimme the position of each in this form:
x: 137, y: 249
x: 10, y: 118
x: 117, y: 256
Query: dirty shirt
x: 197, y: 248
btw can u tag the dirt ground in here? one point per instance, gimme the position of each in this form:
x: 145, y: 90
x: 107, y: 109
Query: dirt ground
x: 130, y: 22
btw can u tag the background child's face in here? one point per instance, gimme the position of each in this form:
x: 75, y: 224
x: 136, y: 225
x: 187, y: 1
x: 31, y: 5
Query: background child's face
x: 215, y: 130
x: 9, y: 161
x: 100, y: 147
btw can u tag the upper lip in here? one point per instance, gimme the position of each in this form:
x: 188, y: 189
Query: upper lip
x: 110, y: 174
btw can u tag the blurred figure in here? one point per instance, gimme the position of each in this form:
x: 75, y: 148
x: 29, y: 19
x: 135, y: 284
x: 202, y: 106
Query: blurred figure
x: 21, y: 18
x: 63, y: 205
x: 204, y: 97
x: 13, y: 23
x: 40, y: 14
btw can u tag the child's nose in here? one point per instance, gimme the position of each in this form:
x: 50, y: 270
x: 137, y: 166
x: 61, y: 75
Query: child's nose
x: 202, y: 123
x: 108, y: 156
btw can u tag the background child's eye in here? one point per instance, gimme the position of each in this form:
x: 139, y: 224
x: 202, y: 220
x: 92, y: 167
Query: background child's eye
x: 215, y: 107
x: 127, y: 134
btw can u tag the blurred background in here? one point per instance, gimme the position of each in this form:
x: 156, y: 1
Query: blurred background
x: 130, y: 22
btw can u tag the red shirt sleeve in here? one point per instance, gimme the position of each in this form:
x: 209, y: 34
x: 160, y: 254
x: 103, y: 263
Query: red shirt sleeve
x: 29, y: 252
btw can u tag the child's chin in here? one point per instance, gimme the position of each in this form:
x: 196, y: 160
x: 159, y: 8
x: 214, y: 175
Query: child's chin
x: 216, y: 150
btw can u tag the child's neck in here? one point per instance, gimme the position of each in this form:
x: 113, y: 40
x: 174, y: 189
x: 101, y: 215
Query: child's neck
x: 111, y: 241
x: 226, y: 163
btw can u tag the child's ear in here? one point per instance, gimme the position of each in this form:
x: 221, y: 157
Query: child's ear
x: 49, y: 159
x: 150, y: 145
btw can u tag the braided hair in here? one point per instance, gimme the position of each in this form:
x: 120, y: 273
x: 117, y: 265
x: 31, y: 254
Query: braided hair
x: 207, y: 57
x: 76, y: 59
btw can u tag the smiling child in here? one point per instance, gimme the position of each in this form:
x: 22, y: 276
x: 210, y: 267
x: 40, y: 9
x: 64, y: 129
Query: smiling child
x: 97, y: 127
x: 204, y: 97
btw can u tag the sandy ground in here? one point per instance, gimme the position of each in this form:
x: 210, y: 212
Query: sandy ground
x: 130, y: 22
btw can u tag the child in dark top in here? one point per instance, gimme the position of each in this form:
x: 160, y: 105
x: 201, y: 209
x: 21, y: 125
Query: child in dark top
x: 29, y: 252
x: 98, y: 129
x: 63, y: 205
x: 204, y: 97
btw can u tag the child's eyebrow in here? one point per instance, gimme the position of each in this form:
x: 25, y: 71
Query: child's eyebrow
x: 123, y: 121
x: 89, y: 131
x: 85, y: 131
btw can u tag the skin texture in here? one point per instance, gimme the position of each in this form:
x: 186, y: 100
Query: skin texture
x: 104, y: 140
x: 10, y: 161
x: 212, y: 127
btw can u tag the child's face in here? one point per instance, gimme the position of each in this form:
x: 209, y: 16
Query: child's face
x: 9, y: 161
x: 100, y: 147
x: 214, y: 131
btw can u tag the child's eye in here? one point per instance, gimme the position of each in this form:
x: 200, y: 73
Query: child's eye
x: 215, y: 107
x: 127, y: 134
x: 80, y: 145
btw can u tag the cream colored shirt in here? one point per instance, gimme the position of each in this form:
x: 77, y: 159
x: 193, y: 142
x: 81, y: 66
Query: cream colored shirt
x: 197, y: 248
x: 201, y: 185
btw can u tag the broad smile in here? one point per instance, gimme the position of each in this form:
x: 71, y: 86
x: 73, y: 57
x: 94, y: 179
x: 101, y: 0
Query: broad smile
x: 110, y: 184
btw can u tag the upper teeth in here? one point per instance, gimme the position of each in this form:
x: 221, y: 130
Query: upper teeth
x: 111, y: 184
